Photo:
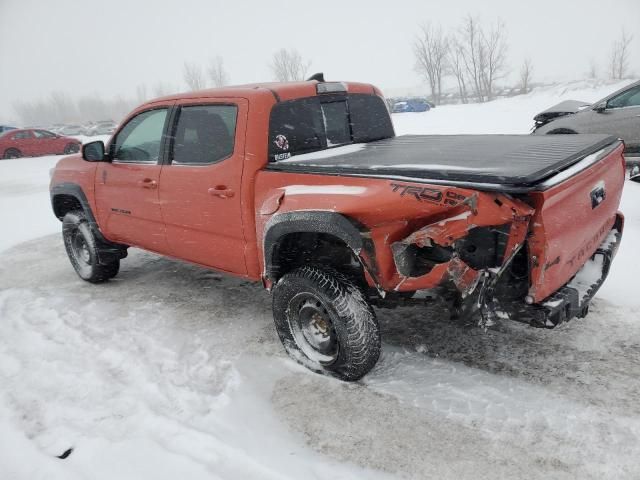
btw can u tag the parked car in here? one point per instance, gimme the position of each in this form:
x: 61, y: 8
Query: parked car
x: 102, y: 128
x: 617, y: 114
x: 72, y: 130
x: 6, y: 128
x: 304, y: 186
x: 411, y: 105
x: 33, y: 142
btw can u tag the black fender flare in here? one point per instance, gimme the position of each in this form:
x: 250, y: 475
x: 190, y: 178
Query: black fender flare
x: 330, y: 223
x: 74, y: 190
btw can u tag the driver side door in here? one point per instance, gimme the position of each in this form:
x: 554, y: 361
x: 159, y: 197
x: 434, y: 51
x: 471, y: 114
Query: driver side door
x: 126, y: 188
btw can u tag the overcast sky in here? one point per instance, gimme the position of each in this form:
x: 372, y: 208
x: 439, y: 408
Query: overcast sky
x: 112, y: 46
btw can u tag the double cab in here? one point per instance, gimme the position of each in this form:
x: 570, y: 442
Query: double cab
x: 305, y: 187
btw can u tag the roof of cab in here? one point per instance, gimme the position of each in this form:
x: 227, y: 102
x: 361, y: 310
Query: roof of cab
x: 280, y: 91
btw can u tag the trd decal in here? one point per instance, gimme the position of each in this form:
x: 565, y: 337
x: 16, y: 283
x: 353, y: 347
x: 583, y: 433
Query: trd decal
x: 453, y: 198
x: 428, y: 194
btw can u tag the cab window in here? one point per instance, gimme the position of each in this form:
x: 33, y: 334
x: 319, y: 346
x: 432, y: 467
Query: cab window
x: 21, y: 135
x: 140, y: 139
x: 325, y: 121
x: 43, y: 134
x: 204, y: 134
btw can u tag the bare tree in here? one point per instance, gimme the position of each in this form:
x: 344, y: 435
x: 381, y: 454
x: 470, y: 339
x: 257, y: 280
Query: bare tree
x: 483, y: 55
x: 431, y: 49
x: 193, y: 76
x: 472, y: 52
x: 92, y: 108
x: 217, y: 73
x: 63, y: 107
x: 593, y: 69
x: 288, y: 65
x: 141, y: 93
x: 619, y: 61
x: 457, y: 69
x: 526, y: 71
x: 162, y: 89
x: 495, y: 55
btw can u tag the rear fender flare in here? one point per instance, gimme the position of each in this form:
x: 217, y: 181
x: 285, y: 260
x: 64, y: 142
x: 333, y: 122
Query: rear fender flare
x: 330, y: 223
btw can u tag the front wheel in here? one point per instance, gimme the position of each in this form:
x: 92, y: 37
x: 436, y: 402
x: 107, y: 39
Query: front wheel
x: 325, y: 323
x: 82, y: 249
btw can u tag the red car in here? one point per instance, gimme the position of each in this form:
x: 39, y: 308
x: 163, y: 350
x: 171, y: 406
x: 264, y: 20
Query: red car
x: 33, y: 142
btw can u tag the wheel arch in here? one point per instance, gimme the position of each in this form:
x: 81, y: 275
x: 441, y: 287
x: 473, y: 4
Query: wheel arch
x: 562, y: 131
x: 66, y: 197
x: 321, y: 223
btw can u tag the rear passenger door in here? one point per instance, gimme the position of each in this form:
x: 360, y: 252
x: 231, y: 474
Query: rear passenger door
x: 200, y: 185
x: 24, y: 141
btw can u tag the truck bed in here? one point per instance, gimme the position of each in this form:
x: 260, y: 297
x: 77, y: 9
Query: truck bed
x: 509, y: 160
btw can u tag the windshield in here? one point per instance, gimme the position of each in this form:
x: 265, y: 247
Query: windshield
x: 325, y: 121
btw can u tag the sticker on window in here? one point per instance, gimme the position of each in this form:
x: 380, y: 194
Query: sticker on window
x: 281, y: 142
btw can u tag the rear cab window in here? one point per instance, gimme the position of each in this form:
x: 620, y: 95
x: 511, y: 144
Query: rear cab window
x: 325, y: 121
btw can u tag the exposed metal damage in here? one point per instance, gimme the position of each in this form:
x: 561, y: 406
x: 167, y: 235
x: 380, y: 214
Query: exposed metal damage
x: 467, y: 250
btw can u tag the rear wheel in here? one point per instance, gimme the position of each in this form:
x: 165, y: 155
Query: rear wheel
x: 12, y: 153
x: 82, y: 249
x: 325, y: 323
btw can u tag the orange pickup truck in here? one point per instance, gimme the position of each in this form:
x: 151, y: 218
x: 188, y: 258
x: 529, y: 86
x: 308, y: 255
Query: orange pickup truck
x: 305, y: 187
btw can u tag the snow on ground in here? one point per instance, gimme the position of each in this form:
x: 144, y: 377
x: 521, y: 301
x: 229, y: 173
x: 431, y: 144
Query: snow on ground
x: 24, y: 198
x: 173, y: 371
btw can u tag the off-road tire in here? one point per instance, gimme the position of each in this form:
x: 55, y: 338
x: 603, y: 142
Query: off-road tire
x: 83, y: 251
x: 12, y: 153
x: 354, y: 325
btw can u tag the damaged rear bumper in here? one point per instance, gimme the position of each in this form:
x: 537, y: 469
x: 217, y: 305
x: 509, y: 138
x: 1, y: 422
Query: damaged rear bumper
x: 571, y: 300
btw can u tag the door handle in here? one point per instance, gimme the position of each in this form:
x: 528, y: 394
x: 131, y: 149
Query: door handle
x: 221, y: 191
x: 148, y: 183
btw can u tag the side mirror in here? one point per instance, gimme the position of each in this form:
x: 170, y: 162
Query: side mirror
x: 94, y: 151
x: 600, y: 107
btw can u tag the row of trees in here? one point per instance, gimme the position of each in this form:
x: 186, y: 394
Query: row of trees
x: 59, y: 107
x: 474, y: 54
x: 286, y: 65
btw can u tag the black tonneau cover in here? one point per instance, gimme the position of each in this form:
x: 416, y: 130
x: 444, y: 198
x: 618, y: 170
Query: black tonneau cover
x: 515, y: 160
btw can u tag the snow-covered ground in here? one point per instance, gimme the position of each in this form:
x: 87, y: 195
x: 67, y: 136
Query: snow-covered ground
x: 171, y: 371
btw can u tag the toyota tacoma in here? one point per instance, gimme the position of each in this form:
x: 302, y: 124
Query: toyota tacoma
x: 305, y: 187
